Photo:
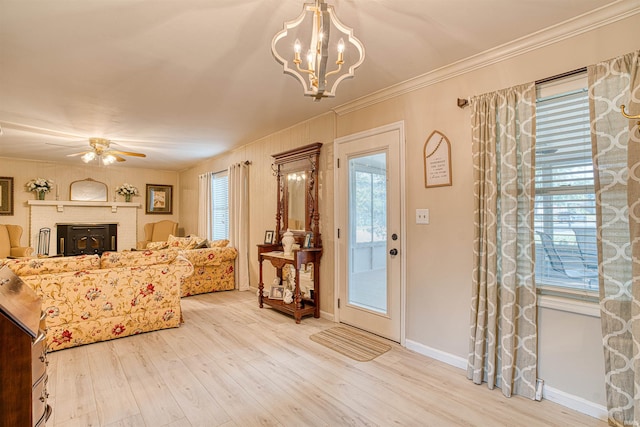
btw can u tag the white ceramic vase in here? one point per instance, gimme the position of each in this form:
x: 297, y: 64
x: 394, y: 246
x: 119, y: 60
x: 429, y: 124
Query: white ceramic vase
x: 288, y: 296
x: 287, y: 242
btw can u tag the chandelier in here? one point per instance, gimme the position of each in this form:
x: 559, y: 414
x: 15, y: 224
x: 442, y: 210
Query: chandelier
x: 322, y: 49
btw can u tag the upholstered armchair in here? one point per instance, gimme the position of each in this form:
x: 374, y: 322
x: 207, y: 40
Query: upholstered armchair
x: 10, y: 242
x: 157, y: 232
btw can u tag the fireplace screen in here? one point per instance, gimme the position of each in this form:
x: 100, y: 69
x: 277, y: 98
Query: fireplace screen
x: 86, y: 239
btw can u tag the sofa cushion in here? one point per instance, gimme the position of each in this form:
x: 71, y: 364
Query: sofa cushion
x: 222, y: 243
x: 209, y: 256
x: 184, y: 242
x: 137, y: 258
x: 203, y: 244
x: 154, y: 246
x: 36, y: 266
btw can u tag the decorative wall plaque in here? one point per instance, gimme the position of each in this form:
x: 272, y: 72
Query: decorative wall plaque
x: 437, y: 161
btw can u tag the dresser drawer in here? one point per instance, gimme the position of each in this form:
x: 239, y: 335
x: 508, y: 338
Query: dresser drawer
x: 39, y: 398
x: 39, y: 360
x: 47, y: 413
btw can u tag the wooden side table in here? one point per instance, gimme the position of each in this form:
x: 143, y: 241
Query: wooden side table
x: 300, y: 306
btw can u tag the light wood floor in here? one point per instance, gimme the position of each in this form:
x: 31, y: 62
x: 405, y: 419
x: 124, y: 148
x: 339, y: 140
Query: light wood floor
x: 233, y: 364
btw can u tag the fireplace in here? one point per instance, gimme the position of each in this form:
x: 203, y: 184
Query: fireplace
x: 86, y: 239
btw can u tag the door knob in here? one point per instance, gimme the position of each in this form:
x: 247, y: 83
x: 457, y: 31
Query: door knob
x: 393, y: 251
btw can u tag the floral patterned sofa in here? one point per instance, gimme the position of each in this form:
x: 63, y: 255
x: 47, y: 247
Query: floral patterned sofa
x: 87, y: 299
x: 213, y: 264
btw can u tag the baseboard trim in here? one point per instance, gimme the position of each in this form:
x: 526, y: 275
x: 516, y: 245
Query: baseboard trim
x: 574, y: 402
x: 327, y: 316
x: 552, y: 394
x: 440, y: 355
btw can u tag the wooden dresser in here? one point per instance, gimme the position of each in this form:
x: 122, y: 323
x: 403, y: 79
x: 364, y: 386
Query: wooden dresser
x: 23, y: 355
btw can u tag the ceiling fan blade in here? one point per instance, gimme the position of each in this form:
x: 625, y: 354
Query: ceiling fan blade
x: 39, y: 130
x: 118, y: 158
x: 128, y: 153
x: 77, y: 154
x: 59, y: 145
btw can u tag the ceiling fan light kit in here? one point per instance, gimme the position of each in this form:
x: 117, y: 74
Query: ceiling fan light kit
x: 320, y: 21
x: 100, y: 150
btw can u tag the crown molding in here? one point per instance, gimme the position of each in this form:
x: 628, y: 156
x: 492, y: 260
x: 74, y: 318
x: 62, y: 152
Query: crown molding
x: 589, y: 21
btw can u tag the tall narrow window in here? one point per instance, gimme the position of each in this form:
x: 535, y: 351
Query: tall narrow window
x: 220, y: 205
x: 565, y: 220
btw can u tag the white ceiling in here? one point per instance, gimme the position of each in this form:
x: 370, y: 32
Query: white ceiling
x: 184, y: 80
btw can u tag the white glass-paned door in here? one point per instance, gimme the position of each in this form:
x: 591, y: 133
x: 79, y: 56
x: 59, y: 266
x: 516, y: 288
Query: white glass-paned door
x: 368, y: 226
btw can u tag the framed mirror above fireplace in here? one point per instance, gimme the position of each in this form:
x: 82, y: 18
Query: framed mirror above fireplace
x: 88, y: 190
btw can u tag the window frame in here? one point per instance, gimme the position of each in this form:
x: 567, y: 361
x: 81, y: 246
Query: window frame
x: 551, y: 292
x: 215, y: 206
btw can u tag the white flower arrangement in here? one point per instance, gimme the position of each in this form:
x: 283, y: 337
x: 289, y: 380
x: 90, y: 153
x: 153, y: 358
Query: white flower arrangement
x: 40, y: 185
x: 127, y: 190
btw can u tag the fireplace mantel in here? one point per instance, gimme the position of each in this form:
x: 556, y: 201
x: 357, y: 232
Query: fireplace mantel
x: 49, y: 213
x: 60, y: 204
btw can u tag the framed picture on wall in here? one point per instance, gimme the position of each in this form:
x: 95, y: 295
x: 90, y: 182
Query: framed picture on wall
x: 159, y: 199
x: 6, y: 195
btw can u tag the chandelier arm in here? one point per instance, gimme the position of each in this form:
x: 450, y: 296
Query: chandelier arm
x: 305, y: 71
x: 336, y: 71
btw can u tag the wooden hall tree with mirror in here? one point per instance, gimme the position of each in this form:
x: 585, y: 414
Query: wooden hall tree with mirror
x: 296, y: 172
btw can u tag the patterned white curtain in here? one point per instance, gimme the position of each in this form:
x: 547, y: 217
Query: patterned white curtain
x: 239, y: 221
x: 503, y: 333
x: 616, y: 159
x: 205, y: 226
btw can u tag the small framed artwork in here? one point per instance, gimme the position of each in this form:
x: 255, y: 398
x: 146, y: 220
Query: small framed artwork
x: 308, y: 240
x: 437, y: 161
x: 276, y: 292
x: 6, y: 195
x: 268, y: 237
x: 159, y: 199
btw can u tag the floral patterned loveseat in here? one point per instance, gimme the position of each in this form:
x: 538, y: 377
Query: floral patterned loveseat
x: 213, y: 264
x: 86, y: 301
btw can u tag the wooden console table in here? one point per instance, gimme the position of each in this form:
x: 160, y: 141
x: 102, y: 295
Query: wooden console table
x: 300, y: 306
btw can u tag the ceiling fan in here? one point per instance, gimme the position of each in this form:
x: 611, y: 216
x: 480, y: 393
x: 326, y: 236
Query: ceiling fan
x: 100, y: 150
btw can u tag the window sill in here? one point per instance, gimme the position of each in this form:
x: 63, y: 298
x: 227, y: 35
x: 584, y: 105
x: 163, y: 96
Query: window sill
x: 571, y: 301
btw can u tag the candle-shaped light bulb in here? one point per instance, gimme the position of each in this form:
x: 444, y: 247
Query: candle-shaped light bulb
x: 340, y: 51
x: 310, y: 64
x: 297, y: 47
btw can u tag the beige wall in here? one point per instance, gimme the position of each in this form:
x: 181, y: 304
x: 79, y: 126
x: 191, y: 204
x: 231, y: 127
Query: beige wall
x: 439, y: 255
x: 63, y: 175
x: 262, y: 185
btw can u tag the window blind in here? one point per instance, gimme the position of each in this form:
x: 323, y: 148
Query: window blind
x: 564, y: 213
x: 220, y: 205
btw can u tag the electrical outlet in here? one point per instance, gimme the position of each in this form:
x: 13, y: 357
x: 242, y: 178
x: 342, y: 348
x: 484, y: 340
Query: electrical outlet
x: 422, y: 216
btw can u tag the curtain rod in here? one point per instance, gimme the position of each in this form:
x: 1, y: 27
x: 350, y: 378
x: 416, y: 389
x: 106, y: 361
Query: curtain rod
x: 463, y: 102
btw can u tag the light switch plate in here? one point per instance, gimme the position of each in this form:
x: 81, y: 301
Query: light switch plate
x: 422, y: 216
